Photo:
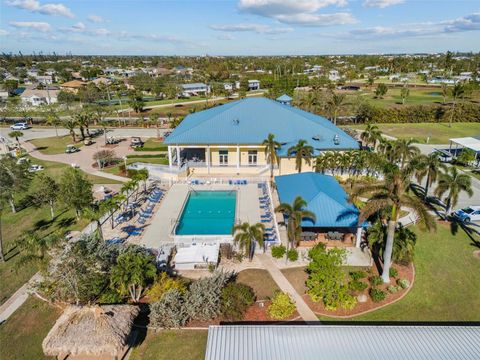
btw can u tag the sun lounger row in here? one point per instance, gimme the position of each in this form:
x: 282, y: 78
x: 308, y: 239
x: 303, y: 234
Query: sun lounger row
x: 237, y: 182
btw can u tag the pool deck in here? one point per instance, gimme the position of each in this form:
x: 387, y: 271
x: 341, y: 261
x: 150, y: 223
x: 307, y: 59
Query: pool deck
x: 160, y: 230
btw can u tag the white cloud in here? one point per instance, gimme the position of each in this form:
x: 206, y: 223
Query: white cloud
x: 299, y: 12
x: 46, y: 9
x: 95, y: 19
x: 382, y: 3
x: 257, y: 28
x: 79, y: 26
x: 226, y: 37
x: 3, y: 32
x: 35, y: 25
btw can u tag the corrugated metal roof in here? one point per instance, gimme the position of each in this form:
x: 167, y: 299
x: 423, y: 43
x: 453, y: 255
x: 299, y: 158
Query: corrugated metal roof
x: 250, y: 120
x: 324, y: 196
x: 193, y: 86
x: 319, y: 342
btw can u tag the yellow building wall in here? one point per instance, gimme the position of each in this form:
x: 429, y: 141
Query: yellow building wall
x: 287, y: 166
x: 232, y: 156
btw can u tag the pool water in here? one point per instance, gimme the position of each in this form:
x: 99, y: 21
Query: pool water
x: 208, y: 213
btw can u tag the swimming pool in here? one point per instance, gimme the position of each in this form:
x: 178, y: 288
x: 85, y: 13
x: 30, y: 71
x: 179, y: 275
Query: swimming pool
x: 208, y: 213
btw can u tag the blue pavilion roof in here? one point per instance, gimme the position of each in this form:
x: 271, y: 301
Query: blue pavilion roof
x: 284, y: 98
x: 250, y: 120
x: 324, y: 196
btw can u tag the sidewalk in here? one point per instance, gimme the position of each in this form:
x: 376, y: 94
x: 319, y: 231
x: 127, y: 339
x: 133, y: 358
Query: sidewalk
x: 17, y: 299
x: 303, y: 309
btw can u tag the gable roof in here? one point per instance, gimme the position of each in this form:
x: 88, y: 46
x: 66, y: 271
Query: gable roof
x: 250, y: 120
x: 284, y: 97
x: 324, y: 196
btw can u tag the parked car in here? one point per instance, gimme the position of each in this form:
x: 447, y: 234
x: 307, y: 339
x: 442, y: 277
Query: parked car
x: 136, y: 142
x: 20, y: 126
x: 111, y: 140
x: 471, y: 213
x: 22, y: 160
x: 443, y: 155
x: 87, y: 141
x: 71, y: 149
x: 35, y: 168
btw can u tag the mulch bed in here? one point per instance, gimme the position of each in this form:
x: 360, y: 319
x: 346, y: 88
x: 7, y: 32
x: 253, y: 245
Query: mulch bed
x: 404, y: 272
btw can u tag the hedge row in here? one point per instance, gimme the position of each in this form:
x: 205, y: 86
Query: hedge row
x: 464, y: 112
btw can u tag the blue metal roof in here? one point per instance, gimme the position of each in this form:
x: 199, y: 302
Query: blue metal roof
x: 324, y: 196
x: 284, y: 98
x: 250, y: 120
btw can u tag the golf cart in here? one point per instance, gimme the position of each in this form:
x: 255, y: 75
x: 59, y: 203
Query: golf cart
x: 71, y: 149
x: 136, y: 142
x: 87, y: 141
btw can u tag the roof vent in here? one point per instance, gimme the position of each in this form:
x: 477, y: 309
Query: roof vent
x: 236, y: 121
x: 317, y: 137
x: 336, y: 140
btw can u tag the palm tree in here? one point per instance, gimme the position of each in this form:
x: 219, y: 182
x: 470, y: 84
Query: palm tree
x: 453, y: 182
x: 83, y: 121
x: 247, y: 236
x: 271, y: 148
x: 404, y: 151
x: 142, y: 175
x: 371, y: 135
x: 95, y: 214
x: 404, y: 93
x: 53, y: 119
x: 429, y: 166
x: 16, y: 134
x: 302, y: 152
x: 457, y: 92
x: 295, y: 213
x: 70, y: 124
x: 111, y: 205
x: 34, y: 248
x: 334, y: 104
x: 391, y: 193
x: 444, y: 93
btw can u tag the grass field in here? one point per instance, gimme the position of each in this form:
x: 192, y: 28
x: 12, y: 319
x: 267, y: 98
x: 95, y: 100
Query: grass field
x: 172, y: 345
x: 22, y: 334
x: 260, y: 281
x: 446, y: 283
x: 439, y: 133
x: 152, y: 144
x: 54, y: 145
x: 151, y: 159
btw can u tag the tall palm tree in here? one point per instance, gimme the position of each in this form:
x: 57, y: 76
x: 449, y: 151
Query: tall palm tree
x: 404, y: 151
x: 83, y: 121
x: 445, y: 93
x: 371, y: 135
x: 70, y: 124
x: 271, y: 153
x: 247, y: 236
x: 457, y: 92
x: 453, y: 183
x: 295, y: 213
x: 95, y: 214
x: 16, y: 134
x: 52, y: 119
x: 34, y: 248
x: 429, y: 166
x: 391, y: 193
x: 302, y: 152
x: 334, y: 104
x: 142, y: 175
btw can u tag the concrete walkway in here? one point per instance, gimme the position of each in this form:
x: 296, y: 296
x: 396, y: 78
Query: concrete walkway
x: 303, y: 309
x: 17, y: 299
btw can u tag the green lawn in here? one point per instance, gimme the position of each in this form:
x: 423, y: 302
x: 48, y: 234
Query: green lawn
x: 54, y: 145
x: 151, y: 159
x: 152, y: 144
x: 260, y: 281
x: 172, y: 345
x: 446, y: 284
x: 439, y: 133
x: 22, y: 334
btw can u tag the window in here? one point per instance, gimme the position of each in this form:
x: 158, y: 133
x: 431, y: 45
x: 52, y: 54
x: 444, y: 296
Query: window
x: 223, y: 157
x: 252, y: 157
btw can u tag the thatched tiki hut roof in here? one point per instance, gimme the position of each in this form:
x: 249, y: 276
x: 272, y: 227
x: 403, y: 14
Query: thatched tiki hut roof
x: 91, y: 330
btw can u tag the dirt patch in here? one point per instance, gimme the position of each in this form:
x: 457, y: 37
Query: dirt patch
x: 404, y: 272
x: 260, y: 281
x: 476, y: 254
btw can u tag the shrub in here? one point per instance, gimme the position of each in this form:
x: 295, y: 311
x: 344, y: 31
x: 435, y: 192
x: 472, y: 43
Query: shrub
x: 235, y: 300
x: 163, y: 284
x: 281, y: 307
x: 392, y: 289
x: 403, y: 283
x: 292, y: 255
x: 357, y: 275
x: 111, y: 296
x: 377, y: 295
x: 376, y: 280
x: 170, y: 311
x: 393, y: 272
x: 356, y: 285
x: 278, y: 251
x: 203, y: 301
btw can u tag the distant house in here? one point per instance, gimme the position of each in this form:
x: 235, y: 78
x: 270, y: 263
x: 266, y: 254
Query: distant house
x: 3, y: 95
x: 45, y: 79
x: 333, y: 75
x: 232, y: 86
x: 195, y: 89
x: 39, y: 97
x: 101, y: 81
x: 253, y: 85
x: 73, y: 86
x: 441, y: 80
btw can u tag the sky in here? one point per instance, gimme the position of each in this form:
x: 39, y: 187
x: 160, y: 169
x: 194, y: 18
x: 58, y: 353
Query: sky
x: 238, y: 27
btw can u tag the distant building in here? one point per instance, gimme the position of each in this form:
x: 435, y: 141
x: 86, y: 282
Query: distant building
x: 45, y: 79
x: 3, y: 95
x: 253, y: 85
x: 333, y: 75
x: 72, y: 86
x: 39, y: 97
x: 232, y: 86
x: 195, y: 89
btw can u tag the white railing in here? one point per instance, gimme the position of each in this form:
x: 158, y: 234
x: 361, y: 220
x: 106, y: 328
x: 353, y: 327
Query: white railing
x: 188, y: 240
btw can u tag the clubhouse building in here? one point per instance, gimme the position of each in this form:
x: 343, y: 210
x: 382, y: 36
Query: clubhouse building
x: 227, y: 139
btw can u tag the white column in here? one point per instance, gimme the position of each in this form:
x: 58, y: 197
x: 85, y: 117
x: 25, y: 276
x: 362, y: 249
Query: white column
x: 238, y: 157
x: 170, y: 160
x: 207, y: 155
x: 178, y: 156
x: 359, y: 237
